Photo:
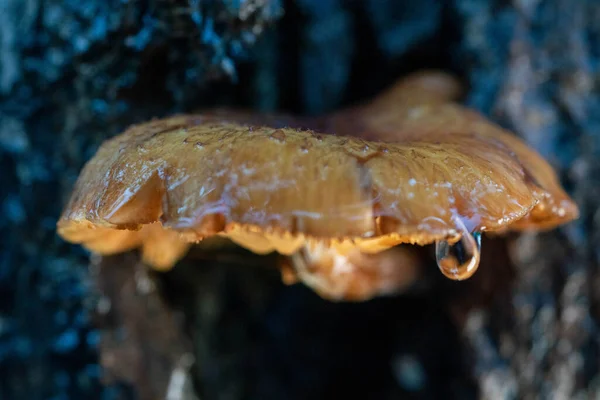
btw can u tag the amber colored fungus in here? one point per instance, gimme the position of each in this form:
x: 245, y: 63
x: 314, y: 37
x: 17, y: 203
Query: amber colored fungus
x: 410, y: 167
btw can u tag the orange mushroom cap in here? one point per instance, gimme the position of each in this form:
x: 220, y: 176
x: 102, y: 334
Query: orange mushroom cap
x: 411, y: 167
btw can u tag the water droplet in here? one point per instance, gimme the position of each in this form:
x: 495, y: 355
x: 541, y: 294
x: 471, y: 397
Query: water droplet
x: 460, y: 260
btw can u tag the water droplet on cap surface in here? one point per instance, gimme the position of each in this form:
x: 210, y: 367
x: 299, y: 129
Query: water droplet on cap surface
x: 460, y: 260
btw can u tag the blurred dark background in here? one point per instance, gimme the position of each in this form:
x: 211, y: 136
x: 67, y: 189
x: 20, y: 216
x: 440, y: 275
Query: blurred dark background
x: 75, y: 72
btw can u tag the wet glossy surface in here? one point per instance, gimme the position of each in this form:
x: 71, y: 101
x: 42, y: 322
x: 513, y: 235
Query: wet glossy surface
x: 460, y: 260
x: 408, y: 168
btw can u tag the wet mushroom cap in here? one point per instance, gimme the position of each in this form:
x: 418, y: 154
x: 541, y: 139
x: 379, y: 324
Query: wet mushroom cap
x: 422, y: 105
x: 411, y: 167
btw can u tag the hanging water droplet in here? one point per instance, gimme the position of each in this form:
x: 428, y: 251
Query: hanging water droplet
x: 460, y: 260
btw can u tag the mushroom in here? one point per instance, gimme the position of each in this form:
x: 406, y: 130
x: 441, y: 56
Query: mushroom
x: 336, y: 194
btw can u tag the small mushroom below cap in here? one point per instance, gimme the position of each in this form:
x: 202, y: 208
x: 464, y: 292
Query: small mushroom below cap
x: 335, y: 193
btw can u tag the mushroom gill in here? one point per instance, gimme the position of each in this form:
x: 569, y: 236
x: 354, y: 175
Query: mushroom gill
x: 410, y: 167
